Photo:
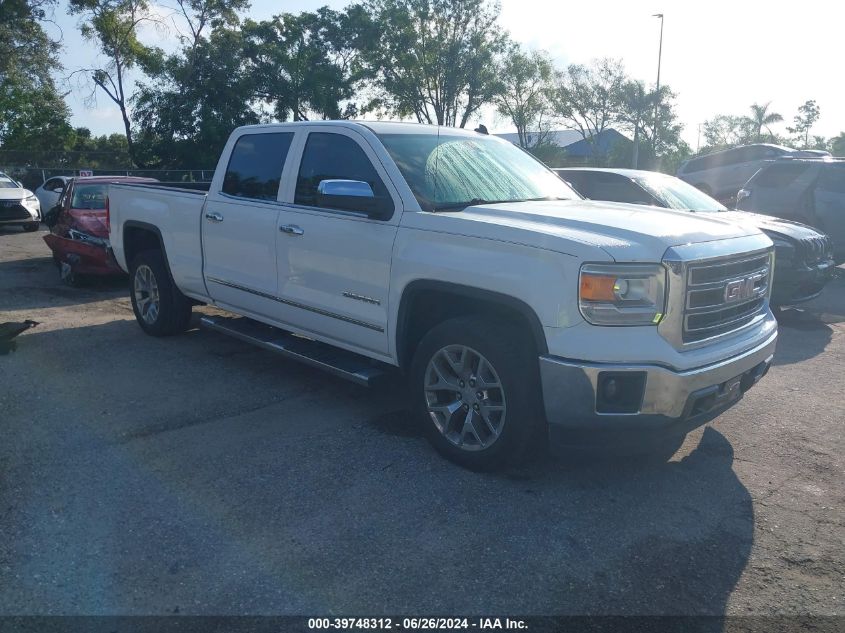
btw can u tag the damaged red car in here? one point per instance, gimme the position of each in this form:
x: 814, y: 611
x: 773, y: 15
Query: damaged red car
x: 79, y: 228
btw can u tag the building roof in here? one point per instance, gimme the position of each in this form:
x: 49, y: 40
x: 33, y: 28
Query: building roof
x: 561, y: 138
x: 577, y: 146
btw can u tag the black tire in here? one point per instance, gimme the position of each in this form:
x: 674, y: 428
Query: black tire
x: 513, y: 358
x: 31, y: 227
x: 173, y: 313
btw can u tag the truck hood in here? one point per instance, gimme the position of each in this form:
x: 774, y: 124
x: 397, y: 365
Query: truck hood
x: 14, y: 194
x: 626, y: 232
x: 771, y: 226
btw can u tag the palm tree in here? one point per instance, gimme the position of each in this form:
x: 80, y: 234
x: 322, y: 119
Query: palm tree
x: 761, y: 118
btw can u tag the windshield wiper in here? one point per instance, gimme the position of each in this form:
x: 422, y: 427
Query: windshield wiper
x: 462, y: 205
x: 475, y: 201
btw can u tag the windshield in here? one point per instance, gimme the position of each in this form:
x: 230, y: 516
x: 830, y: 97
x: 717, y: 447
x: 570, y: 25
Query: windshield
x: 676, y: 194
x: 89, y: 197
x: 8, y: 183
x: 452, y: 171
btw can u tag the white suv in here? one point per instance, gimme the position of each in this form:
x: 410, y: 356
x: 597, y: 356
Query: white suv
x: 18, y: 205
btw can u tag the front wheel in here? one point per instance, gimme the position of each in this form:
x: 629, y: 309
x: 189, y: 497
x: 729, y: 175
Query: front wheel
x: 160, y: 308
x: 476, y: 388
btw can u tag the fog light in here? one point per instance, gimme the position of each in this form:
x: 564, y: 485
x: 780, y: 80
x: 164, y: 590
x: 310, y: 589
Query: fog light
x: 620, y: 392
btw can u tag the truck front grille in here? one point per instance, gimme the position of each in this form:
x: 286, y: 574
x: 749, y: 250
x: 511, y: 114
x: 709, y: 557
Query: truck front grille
x: 815, y: 249
x: 724, y: 295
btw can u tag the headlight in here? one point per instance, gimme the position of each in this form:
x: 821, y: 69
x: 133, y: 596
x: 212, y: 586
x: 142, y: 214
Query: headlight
x: 31, y: 201
x: 622, y: 294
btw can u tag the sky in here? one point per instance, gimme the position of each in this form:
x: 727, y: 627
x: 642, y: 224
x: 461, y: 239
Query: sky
x: 719, y: 57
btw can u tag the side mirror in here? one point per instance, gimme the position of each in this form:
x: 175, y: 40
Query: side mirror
x: 352, y: 195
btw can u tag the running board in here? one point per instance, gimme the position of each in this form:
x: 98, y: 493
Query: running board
x: 359, y: 369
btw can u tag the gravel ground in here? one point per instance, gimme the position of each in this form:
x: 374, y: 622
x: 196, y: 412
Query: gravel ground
x: 198, y: 474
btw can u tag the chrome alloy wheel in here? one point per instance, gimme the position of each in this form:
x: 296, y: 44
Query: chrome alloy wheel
x: 146, y: 294
x: 464, y: 397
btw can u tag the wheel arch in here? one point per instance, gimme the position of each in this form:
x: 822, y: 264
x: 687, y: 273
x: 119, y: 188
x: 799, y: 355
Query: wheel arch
x: 412, y: 324
x: 140, y: 236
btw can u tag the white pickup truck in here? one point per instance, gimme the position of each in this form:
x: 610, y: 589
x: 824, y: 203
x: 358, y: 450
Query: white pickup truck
x: 514, y: 307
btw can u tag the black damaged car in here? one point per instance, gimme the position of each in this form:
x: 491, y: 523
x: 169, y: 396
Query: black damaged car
x: 803, y: 256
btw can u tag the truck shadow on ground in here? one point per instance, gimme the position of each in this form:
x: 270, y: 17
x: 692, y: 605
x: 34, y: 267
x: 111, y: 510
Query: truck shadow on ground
x: 334, y: 500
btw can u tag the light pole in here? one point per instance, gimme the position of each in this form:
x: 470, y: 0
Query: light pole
x: 657, y: 91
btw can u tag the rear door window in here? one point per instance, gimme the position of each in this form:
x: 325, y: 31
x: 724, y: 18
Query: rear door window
x: 780, y: 175
x: 616, y: 188
x: 255, y: 166
x: 832, y: 178
x: 578, y: 180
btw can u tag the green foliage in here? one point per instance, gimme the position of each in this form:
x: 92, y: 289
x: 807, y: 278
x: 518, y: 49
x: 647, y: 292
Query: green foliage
x: 726, y: 130
x: 762, y: 119
x: 433, y: 60
x: 113, y: 26
x: 186, y: 113
x: 33, y: 114
x: 589, y: 98
x: 836, y: 145
x: 301, y: 64
x: 803, y: 122
x: 524, y: 92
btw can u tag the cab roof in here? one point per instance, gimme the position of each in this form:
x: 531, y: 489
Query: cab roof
x: 378, y: 127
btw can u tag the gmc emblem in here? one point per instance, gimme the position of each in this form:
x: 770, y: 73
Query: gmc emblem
x: 742, y: 289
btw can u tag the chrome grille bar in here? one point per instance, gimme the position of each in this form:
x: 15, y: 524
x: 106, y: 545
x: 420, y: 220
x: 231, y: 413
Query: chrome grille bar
x: 724, y: 295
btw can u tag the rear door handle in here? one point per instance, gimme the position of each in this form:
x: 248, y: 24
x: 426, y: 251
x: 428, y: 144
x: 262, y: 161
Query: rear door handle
x: 214, y: 216
x: 291, y: 229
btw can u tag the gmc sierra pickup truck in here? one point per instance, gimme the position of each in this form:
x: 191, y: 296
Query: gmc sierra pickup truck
x: 515, y: 308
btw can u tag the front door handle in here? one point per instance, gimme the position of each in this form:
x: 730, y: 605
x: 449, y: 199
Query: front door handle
x: 214, y: 216
x: 291, y: 229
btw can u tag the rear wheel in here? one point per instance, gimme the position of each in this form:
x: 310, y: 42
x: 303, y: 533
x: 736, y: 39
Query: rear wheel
x: 160, y: 308
x: 476, y: 388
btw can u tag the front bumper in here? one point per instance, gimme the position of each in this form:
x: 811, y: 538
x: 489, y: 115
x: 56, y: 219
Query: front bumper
x: 83, y: 258
x: 17, y: 213
x: 801, y: 282
x: 671, y: 401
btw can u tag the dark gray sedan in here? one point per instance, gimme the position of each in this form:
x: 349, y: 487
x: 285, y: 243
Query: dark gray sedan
x: 803, y: 256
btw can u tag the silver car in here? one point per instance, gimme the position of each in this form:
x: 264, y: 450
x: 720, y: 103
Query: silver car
x: 50, y: 191
x: 18, y: 205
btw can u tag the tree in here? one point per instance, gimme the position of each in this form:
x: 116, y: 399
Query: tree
x: 636, y: 108
x: 589, y: 98
x: 33, y: 115
x: 726, y: 130
x: 636, y: 114
x: 803, y: 122
x: 113, y: 25
x: 761, y: 119
x: 196, y: 95
x: 433, y: 60
x: 523, y: 97
x: 837, y: 145
x: 186, y: 113
x: 301, y: 64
